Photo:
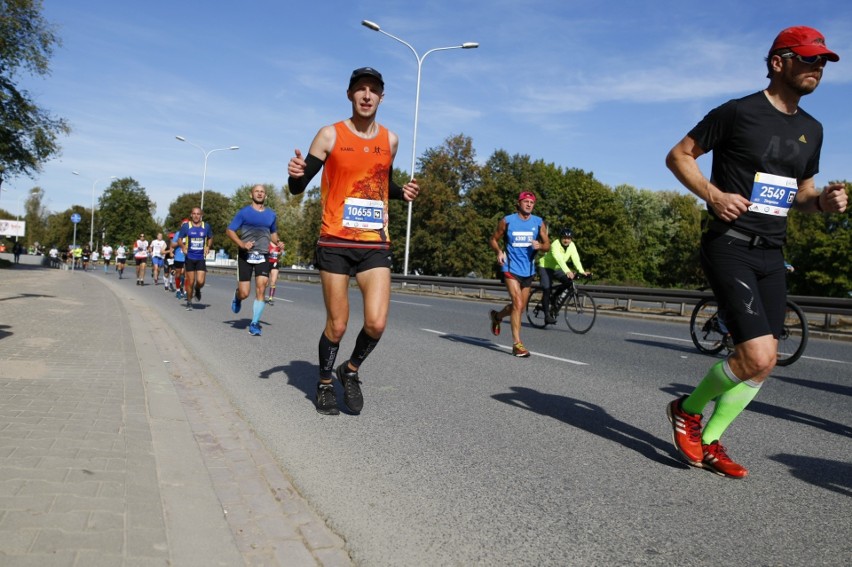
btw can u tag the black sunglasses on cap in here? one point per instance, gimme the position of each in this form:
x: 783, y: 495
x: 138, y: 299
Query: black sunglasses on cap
x: 807, y: 60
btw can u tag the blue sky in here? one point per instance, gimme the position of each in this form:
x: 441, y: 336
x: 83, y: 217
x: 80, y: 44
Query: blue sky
x: 607, y: 87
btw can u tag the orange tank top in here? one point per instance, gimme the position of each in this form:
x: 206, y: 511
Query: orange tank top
x: 354, y: 186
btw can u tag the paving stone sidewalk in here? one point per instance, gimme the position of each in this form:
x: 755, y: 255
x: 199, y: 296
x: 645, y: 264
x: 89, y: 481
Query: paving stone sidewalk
x: 115, y: 449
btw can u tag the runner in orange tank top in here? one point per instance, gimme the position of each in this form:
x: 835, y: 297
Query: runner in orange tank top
x: 356, y: 156
x: 355, y: 189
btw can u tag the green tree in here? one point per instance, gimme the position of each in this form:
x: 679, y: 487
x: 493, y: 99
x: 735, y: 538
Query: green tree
x: 819, y: 246
x: 35, y: 215
x: 28, y: 133
x: 601, y: 227
x: 59, y: 230
x: 442, y: 224
x: 648, y: 228
x: 680, y: 266
x: 309, y: 230
x: 290, y: 219
x: 125, y: 212
x: 217, y: 212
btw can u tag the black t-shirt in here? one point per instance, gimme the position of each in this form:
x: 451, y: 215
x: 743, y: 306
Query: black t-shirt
x: 749, y: 136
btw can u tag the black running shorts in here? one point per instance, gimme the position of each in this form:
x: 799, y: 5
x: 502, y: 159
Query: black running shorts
x: 749, y: 283
x: 351, y: 261
x: 245, y: 270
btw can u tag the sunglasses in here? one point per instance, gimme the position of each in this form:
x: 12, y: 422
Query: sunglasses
x: 809, y: 60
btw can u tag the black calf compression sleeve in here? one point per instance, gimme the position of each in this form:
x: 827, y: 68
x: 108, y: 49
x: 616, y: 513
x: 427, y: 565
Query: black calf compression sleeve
x: 298, y: 184
x: 327, y: 355
x: 364, y: 345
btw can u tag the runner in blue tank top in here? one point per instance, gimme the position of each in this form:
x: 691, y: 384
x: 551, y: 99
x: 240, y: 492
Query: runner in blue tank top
x: 195, y: 238
x: 523, y: 234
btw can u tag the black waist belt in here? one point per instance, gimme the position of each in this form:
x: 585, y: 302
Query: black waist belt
x: 752, y: 239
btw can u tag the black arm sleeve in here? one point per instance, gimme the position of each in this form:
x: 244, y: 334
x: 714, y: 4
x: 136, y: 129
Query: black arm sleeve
x: 298, y: 184
x: 394, y: 191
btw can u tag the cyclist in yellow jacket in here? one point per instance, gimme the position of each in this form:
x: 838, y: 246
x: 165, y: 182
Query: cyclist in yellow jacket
x: 554, y: 265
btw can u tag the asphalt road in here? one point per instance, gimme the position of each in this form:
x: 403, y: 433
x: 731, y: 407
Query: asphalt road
x: 464, y: 455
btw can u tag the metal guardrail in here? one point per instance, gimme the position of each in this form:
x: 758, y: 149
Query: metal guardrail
x: 624, y: 298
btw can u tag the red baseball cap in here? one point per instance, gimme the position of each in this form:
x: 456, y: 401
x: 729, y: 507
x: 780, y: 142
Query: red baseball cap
x: 526, y: 195
x: 803, y: 41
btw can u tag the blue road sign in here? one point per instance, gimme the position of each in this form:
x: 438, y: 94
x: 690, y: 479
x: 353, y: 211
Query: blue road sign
x: 75, y: 218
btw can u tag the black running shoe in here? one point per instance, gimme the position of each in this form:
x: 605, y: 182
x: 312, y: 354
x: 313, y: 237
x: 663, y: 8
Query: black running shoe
x: 352, y: 396
x: 198, y: 294
x: 326, y: 400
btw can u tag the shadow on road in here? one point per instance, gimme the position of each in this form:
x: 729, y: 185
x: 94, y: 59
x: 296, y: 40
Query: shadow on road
x: 594, y: 419
x: 474, y: 341
x: 24, y: 296
x: 830, y: 475
x: 817, y: 385
x: 300, y: 373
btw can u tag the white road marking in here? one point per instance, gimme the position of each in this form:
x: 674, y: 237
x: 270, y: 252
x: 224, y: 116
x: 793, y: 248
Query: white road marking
x: 410, y: 303
x: 678, y: 339
x: 487, y: 342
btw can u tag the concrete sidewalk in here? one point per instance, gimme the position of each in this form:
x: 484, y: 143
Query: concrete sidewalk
x: 116, y: 450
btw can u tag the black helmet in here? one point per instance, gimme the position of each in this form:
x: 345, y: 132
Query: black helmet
x: 566, y: 233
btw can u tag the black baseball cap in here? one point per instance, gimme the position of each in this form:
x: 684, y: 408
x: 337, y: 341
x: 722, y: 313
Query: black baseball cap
x: 365, y: 72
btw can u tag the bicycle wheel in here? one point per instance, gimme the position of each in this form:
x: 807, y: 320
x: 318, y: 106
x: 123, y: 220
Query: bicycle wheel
x: 580, y: 312
x: 704, y: 327
x: 794, y: 335
x: 535, y: 312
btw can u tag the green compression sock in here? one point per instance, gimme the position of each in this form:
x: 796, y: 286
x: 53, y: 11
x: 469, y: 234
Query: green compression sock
x: 728, y: 407
x: 718, y: 380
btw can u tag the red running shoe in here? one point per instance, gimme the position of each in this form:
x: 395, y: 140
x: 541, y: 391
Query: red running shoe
x: 686, y: 432
x: 520, y: 351
x: 495, y: 324
x: 718, y: 461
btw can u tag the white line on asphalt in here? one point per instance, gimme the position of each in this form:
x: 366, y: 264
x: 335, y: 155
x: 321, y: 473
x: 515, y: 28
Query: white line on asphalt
x: 486, y: 342
x: 677, y: 339
x: 410, y: 303
x: 826, y: 359
x: 690, y: 340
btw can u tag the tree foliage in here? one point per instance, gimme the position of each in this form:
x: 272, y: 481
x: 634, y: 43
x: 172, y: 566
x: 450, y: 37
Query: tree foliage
x: 625, y: 235
x: 28, y: 133
x: 820, y: 248
x: 125, y: 211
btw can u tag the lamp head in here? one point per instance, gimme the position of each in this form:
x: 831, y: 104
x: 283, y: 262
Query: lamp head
x: 372, y: 25
x: 470, y: 45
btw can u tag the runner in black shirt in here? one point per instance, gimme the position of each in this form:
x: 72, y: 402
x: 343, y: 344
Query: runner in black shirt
x: 766, y: 153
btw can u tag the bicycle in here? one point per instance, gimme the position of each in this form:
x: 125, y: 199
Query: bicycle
x: 578, y: 307
x: 710, y: 335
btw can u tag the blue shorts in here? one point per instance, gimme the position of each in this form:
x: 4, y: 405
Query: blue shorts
x: 157, y: 260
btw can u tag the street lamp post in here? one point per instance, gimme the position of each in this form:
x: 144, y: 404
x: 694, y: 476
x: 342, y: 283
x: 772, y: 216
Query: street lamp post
x: 206, y: 155
x: 92, y: 228
x: 467, y: 45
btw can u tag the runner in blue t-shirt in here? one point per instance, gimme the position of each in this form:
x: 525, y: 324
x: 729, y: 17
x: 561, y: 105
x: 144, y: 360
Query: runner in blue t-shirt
x: 257, y: 226
x: 195, y: 239
x: 523, y: 235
